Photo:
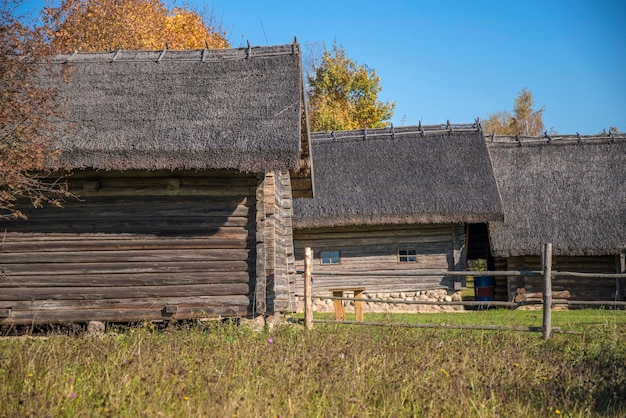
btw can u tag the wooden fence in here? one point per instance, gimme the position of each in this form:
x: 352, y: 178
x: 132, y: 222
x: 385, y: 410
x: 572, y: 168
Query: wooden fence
x: 547, y: 302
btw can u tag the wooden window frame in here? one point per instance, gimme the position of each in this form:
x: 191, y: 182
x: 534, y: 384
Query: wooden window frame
x: 410, y: 255
x: 330, y: 257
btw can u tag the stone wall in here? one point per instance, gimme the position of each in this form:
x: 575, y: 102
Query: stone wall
x: 437, y: 295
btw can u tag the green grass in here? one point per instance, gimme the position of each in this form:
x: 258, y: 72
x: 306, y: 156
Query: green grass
x: 219, y: 369
x: 567, y: 320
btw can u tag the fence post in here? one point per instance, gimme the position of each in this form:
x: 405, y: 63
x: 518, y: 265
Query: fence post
x: 620, y: 284
x: 546, y: 263
x: 308, y: 287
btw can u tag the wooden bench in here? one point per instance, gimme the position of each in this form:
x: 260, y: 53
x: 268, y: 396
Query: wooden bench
x: 340, y: 312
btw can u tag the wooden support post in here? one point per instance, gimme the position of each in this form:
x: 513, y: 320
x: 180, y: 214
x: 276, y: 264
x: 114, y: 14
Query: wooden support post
x: 546, y: 262
x: 358, y: 305
x: 620, y: 284
x: 340, y: 311
x: 308, y: 289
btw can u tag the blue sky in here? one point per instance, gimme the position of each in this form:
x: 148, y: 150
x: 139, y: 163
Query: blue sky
x: 459, y: 60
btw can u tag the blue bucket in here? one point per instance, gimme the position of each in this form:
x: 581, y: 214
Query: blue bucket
x: 484, y: 288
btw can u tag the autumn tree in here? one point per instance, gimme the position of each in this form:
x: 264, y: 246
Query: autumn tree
x: 524, y: 120
x: 26, y: 114
x: 104, y: 25
x: 344, y: 95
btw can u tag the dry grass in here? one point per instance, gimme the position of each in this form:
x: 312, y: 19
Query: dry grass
x: 220, y: 369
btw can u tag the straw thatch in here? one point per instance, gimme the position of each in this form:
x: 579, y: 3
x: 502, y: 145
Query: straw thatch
x: 220, y: 109
x: 410, y: 175
x: 570, y: 191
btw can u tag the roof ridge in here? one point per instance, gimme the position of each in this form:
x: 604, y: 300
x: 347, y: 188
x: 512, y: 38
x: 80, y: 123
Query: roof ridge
x: 392, y: 131
x: 553, y: 138
x: 164, y: 55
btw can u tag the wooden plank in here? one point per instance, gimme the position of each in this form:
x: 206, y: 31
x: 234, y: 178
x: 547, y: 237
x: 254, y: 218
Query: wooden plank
x: 124, y: 302
x: 237, y: 239
x: 620, y: 285
x: 261, y: 277
x: 458, y: 247
x: 119, y: 268
x: 354, y: 232
x: 138, y: 174
x: 207, y: 191
x: 141, y: 210
x: 157, y: 225
x: 122, y: 315
x: 134, y: 279
x: 170, y: 256
x: 68, y: 293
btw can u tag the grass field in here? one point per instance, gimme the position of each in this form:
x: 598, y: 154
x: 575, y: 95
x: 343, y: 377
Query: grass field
x: 220, y: 369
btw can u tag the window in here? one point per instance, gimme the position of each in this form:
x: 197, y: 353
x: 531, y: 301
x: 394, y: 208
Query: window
x: 330, y: 257
x: 407, y: 256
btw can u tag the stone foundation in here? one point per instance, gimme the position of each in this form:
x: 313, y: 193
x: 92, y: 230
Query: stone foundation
x: 437, y: 295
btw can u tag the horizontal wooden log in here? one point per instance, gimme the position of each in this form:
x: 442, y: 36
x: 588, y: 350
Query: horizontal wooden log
x: 353, y: 232
x: 129, y: 205
x: 589, y: 275
x: 383, y: 239
x: 122, y: 315
x: 169, y: 256
x: 135, y: 279
x: 94, y: 293
x: 237, y: 239
x: 140, y: 210
x: 122, y: 268
x: 207, y: 191
x: 91, y: 173
x: 160, y: 182
x: 125, y: 303
x: 155, y: 225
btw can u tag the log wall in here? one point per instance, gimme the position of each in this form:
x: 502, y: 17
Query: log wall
x: 375, y: 249
x: 136, y: 246
x: 563, y: 287
x: 274, y: 243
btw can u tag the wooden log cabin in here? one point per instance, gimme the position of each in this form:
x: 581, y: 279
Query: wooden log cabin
x: 569, y: 191
x: 182, y: 165
x: 394, y: 200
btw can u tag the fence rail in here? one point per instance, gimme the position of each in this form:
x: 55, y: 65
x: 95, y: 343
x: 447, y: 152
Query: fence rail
x: 547, y: 301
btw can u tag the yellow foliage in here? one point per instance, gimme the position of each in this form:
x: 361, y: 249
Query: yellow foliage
x: 523, y: 121
x: 104, y: 25
x: 344, y: 95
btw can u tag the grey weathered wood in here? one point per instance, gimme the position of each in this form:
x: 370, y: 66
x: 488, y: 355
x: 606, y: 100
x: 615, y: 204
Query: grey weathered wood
x: 308, y: 290
x: 620, y: 283
x: 133, y: 244
x: 584, y: 277
x: 369, y: 252
x: 134, y: 279
x: 547, y: 290
x: 164, y: 255
x: 118, y: 292
x: 261, y: 262
x: 121, y: 267
x: 124, y: 302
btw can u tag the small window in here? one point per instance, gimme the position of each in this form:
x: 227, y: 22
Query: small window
x: 330, y: 257
x: 407, y: 256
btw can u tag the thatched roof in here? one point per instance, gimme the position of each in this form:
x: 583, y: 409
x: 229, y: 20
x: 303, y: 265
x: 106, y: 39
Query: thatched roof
x: 570, y: 191
x: 413, y: 175
x: 219, y: 109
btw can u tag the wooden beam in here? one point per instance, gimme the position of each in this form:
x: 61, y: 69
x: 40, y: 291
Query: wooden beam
x: 308, y: 301
x: 546, y: 261
x: 620, y: 284
x: 261, y: 278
